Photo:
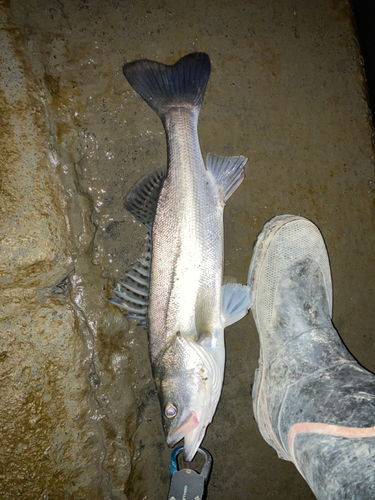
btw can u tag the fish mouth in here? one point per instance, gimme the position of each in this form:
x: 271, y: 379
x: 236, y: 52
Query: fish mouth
x: 192, y: 442
x: 185, y: 427
x: 192, y: 430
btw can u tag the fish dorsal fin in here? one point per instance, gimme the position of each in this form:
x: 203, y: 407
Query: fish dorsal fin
x: 142, y: 199
x: 236, y: 300
x: 227, y: 172
x: 131, y: 294
x: 204, y: 310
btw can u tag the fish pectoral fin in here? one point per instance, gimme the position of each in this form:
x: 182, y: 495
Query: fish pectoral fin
x: 204, y: 310
x: 236, y: 300
x: 142, y: 199
x: 228, y: 172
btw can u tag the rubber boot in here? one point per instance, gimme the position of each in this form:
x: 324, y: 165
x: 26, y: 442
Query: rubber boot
x: 313, y: 403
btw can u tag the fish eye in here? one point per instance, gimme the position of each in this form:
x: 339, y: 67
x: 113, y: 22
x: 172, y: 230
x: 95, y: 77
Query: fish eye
x: 170, y: 410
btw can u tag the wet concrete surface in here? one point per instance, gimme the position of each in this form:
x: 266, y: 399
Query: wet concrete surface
x: 79, y: 412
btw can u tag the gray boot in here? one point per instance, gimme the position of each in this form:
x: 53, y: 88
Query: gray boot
x: 314, y: 404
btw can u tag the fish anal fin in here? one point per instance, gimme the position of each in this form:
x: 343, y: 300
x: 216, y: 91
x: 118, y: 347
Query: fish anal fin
x: 236, y: 300
x: 142, y: 199
x: 228, y: 172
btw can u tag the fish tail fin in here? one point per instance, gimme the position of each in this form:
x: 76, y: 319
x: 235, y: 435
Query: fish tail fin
x: 162, y: 86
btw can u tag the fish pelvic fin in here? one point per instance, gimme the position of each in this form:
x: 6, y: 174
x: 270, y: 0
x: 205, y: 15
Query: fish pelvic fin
x: 142, y: 199
x: 163, y: 86
x: 236, y: 301
x: 228, y: 172
x: 132, y: 293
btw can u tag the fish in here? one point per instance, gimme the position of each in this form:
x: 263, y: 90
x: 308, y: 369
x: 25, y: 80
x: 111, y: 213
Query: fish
x: 176, y: 287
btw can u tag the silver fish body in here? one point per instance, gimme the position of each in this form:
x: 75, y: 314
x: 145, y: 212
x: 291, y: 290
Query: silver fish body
x: 187, y: 306
x: 187, y: 237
